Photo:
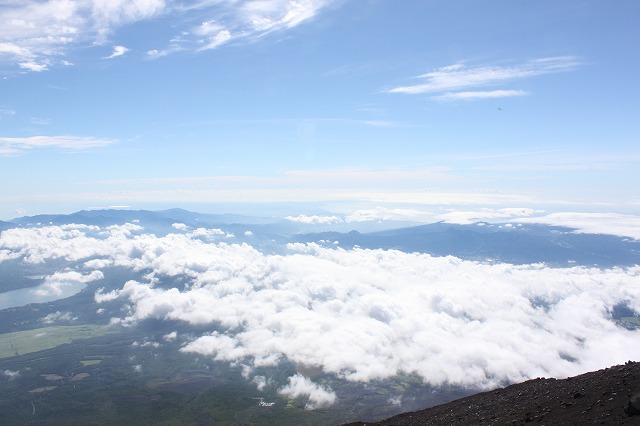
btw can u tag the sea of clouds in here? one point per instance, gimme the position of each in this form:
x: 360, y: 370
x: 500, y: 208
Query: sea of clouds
x: 360, y: 315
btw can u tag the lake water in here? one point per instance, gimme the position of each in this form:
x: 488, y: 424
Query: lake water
x: 46, y: 292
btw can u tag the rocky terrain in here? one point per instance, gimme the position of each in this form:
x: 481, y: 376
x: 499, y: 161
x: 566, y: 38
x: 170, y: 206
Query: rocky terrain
x: 610, y: 397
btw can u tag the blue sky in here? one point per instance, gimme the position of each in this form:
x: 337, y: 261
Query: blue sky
x: 411, y: 109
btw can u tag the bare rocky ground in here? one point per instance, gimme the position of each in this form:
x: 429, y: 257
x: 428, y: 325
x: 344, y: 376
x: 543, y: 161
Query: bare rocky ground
x: 607, y: 397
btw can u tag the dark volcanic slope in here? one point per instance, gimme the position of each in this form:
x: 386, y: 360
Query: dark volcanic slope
x: 600, y: 397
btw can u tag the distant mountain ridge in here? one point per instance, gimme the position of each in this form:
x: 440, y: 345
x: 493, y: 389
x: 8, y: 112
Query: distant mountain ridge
x: 552, y: 245
x: 484, y: 242
x: 115, y: 216
x: 158, y: 222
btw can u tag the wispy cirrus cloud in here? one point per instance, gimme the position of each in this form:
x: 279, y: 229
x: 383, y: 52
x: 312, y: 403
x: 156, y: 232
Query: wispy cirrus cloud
x: 483, y: 94
x: 16, y: 146
x: 366, y: 176
x: 452, y: 82
x: 39, y: 121
x: 37, y: 35
x: 6, y: 112
x: 269, y: 15
x: 225, y: 21
x: 218, y: 39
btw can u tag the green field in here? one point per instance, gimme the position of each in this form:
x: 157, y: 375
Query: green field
x: 24, y: 342
x: 89, y: 362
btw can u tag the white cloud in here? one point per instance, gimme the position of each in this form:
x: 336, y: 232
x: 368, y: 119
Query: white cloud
x: 269, y: 15
x: 300, y: 386
x: 218, y: 39
x: 17, y: 145
x: 452, y: 79
x: 208, y: 28
x: 111, y: 208
x: 98, y: 263
x: 292, y: 193
x: 369, y: 176
x: 76, y: 276
x: 244, y: 19
x: 179, y: 226
x: 467, y: 217
x: 58, y: 283
x: 38, y: 34
x: 6, y: 112
x: 361, y: 315
x: 33, y: 66
x: 209, y: 233
x: 314, y: 219
x: 37, y: 245
x: 260, y: 382
x: 384, y: 213
x: 485, y: 94
x: 8, y: 254
x: 40, y: 121
x: 450, y: 321
x: 170, y: 337
x: 58, y: 316
x: 396, y: 400
x: 80, y: 226
x: 9, y: 152
x: 117, y: 51
x: 382, y: 123
x: 593, y: 223
x: 12, y: 375
x: 13, y: 49
x: 108, y: 14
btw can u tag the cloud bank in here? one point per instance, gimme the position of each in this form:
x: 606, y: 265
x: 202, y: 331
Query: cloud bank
x: 359, y: 315
x: 468, y: 217
x: 314, y: 219
x: 376, y: 214
x: 592, y: 223
x: 622, y: 225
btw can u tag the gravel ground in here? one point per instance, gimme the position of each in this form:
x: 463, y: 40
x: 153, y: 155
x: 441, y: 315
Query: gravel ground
x: 599, y: 397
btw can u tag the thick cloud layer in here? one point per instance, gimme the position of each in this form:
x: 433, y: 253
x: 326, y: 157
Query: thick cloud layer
x: 360, y: 314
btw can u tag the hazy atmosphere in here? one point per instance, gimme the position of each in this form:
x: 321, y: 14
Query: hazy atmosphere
x: 412, y: 109
x: 349, y: 208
